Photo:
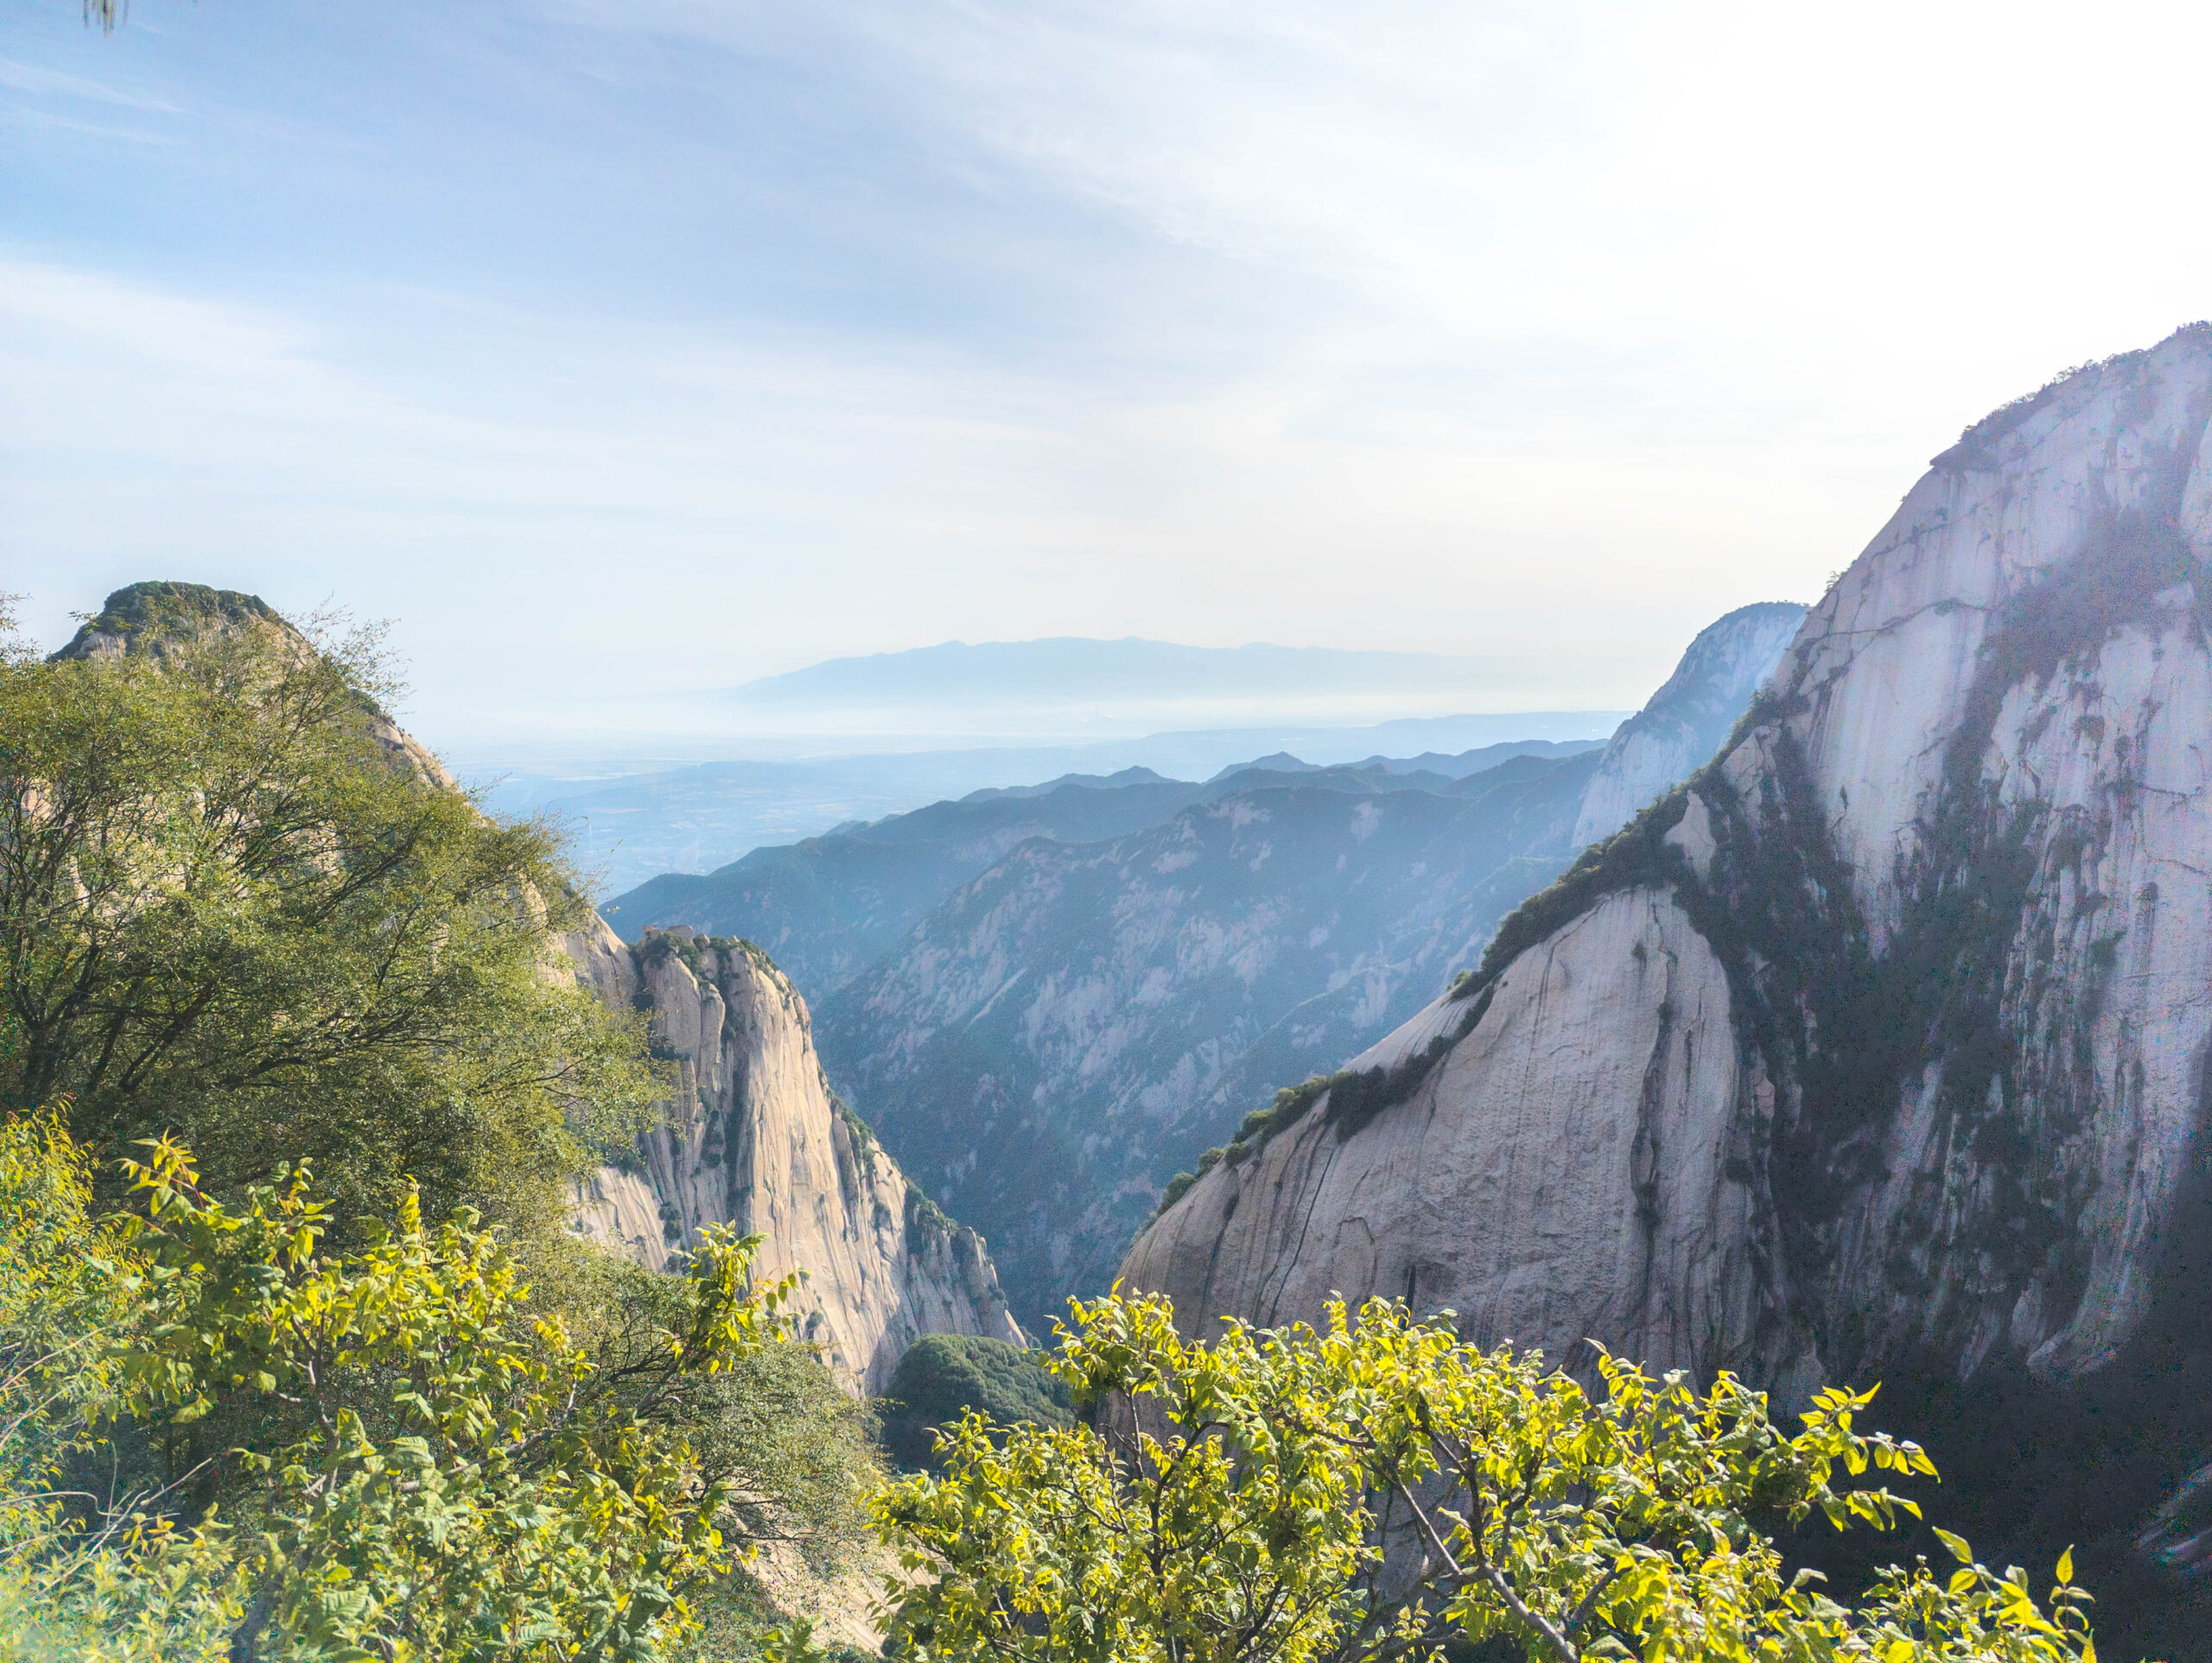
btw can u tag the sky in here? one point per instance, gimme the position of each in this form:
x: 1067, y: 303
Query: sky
x: 615, y: 350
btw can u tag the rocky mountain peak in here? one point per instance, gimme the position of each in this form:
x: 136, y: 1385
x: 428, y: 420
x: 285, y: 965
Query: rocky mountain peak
x: 160, y: 619
x: 163, y: 620
x: 754, y: 1136
x: 1881, y: 1048
x: 1689, y: 717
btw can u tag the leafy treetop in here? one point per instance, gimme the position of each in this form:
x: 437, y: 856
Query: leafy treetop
x: 228, y: 914
x: 430, y: 1470
x: 1379, y: 1489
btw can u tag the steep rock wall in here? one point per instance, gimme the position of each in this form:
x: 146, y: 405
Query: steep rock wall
x: 1688, y: 719
x: 753, y: 1137
x: 1492, y: 1188
x: 1937, y: 928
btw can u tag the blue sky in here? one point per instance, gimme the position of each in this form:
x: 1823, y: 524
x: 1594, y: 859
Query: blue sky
x: 616, y: 349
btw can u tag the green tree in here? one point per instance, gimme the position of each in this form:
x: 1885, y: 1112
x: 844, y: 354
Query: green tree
x: 237, y: 907
x: 792, y: 1453
x: 83, y: 1574
x: 437, y: 1472
x: 1241, y: 1504
x: 442, y: 1474
x: 943, y: 1376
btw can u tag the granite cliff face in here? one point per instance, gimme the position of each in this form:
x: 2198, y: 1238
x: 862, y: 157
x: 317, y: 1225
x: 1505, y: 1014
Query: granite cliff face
x: 1881, y: 1048
x: 1688, y: 719
x: 754, y: 1137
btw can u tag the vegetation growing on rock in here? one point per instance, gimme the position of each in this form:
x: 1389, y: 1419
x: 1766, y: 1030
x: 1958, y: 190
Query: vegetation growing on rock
x: 227, y: 914
x: 259, y: 1404
x: 944, y: 1377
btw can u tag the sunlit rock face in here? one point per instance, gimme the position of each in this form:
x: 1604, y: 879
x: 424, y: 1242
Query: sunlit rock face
x: 752, y: 1136
x: 1689, y: 717
x: 1880, y: 1049
x: 1493, y: 1188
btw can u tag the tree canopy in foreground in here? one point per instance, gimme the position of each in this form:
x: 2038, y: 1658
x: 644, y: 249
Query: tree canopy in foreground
x: 1379, y: 1490
x: 412, y: 1464
x: 235, y: 908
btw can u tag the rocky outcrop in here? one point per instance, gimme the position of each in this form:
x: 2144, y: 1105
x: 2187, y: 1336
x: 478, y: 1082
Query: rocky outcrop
x: 1881, y: 1048
x: 1689, y: 717
x: 163, y: 620
x: 1493, y: 1189
x: 753, y: 1137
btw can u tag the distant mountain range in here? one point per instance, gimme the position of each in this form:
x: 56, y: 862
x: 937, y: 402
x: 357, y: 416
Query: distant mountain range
x: 1048, y: 998
x: 630, y: 823
x: 1059, y: 1035
x: 827, y: 907
x: 1071, y: 683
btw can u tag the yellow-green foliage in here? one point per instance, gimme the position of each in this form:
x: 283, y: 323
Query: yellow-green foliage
x: 81, y: 1576
x: 435, y: 1474
x: 1238, y: 1506
x: 228, y: 912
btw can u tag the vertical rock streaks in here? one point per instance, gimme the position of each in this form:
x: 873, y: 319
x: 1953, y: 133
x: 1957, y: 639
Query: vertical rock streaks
x: 753, y: 1137
x: 1879, y: 1048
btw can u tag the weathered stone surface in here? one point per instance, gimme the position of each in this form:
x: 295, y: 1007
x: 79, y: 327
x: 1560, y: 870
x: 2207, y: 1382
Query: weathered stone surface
x: 1689, y: 717
x: 754, y: 1137
x: 1493, y: 1189
x: 1933, y: 944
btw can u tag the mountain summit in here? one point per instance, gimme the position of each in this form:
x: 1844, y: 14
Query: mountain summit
x: 1882, y: 1050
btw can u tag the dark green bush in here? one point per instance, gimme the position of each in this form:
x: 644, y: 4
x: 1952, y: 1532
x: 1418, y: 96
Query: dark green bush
x: 945, y: 1375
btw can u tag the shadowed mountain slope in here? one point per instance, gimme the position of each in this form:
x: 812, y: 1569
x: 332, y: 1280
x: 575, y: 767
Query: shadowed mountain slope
x: 829, y: 906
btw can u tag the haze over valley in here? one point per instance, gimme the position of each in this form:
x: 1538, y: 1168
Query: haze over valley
x: 633, y: 819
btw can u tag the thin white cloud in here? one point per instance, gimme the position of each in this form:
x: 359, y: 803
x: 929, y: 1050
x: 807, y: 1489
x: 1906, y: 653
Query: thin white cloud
x: 722, y: 492
x: 38, y: 80
x: 1561, y: 327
